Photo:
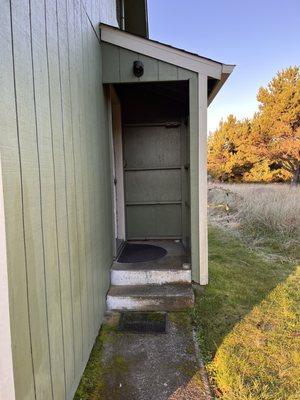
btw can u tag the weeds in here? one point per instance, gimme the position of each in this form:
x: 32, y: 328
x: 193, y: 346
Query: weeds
x: 263, y: 215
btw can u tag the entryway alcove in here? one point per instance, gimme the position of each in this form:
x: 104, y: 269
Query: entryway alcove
x: 155, y: 160
x: 159, y: 96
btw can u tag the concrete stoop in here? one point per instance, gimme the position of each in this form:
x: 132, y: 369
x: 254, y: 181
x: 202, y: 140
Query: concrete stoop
x: 160, y: 285
x: 149, y: 276
x: 166, y: 297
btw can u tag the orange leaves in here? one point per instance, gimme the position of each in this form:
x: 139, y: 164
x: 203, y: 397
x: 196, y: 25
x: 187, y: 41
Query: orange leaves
x: 248, y: 150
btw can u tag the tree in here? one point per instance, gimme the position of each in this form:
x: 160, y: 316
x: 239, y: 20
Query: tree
x: 276, y: 127
x: 229, y: 150
x: 266, y: 148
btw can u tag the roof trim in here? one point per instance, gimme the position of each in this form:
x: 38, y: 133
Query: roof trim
x: 163, y: 52
x: 217, y: 87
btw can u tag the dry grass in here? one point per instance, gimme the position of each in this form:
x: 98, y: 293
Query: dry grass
x: 263, y: 215
x: 248, y: 317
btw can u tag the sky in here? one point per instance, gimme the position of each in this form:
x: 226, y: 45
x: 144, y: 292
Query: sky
x: 261, y: 37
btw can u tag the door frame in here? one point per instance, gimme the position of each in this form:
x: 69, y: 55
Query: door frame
x: 116, y: 139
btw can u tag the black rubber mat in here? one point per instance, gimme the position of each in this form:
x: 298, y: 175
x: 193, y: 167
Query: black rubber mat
x: 143, y: 322
x: 139, y: 252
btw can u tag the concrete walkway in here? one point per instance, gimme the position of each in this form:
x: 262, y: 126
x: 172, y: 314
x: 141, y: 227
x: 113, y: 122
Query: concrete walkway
x: 151, y: 366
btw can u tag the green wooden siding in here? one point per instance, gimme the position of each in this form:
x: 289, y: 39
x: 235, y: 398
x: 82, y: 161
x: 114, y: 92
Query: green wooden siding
x: 118, y: 63
x: 57, y: 189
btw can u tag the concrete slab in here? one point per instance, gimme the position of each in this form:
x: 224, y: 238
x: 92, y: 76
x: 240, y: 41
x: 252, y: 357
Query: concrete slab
x: 174, y: 259
x: 168, y: 297
x: 149, y: 276
x: 147, y: 366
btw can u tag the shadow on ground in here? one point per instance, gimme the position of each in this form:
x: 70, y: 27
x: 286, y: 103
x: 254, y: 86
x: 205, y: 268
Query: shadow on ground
x: 239, y: 279
x: 130, y: 366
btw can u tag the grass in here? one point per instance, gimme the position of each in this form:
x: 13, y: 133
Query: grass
x: 248, y: 317
x: 267, y: 216
x: 93, y: 382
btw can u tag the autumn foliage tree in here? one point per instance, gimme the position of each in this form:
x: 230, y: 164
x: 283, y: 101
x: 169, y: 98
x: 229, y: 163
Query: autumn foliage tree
x: 266, y: 148
x: 276, y: 127
x: 228, y: 148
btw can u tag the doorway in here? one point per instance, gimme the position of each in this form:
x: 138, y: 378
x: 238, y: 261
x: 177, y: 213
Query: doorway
x: 153, y: 153
x: 152, y: 171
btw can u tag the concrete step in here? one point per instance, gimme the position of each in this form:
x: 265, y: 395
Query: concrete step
x: 133, y: 277
x: 168, y: 297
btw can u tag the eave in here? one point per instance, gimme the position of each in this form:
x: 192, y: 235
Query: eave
x: 172, y: 55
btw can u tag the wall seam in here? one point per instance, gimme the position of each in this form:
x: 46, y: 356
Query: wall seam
x: 40, y: 187
x: 81, y: 158
x: 87, y: 15
x: 22, y: 193
x: 65, y: 168
x: 54, y: 188
x: 74, y: 170
x: 85, y: 149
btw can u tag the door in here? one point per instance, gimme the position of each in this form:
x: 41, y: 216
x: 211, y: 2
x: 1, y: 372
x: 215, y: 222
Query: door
x: 152, y: 171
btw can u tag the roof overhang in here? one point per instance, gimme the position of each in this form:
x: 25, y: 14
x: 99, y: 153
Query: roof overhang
x: 172, y: 55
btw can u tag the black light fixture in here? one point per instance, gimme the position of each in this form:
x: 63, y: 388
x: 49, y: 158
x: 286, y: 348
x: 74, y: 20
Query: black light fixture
x: 138, y: 68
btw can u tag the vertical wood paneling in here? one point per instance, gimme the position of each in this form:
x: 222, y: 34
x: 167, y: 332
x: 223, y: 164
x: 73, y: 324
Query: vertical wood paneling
x: 70, y: 180
x: 184, y: 74
x: 86, y: 160
x: 48, y: 201
x: 60, y: 190
x: 167, y: 71
x: 13, y: 204
x: 34, y: 240
x: 127, y: 59
x: 150, y: 68
x: 91, y: 45
x: 111, y: 66
x: 57, y: 189
x: 118, y: 62
x: 75, y: 94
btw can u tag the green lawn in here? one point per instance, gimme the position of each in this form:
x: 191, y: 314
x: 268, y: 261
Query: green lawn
x: 248, y: 322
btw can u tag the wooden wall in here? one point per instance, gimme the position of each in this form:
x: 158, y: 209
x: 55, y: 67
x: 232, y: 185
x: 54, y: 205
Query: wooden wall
x: 57, y: 192
x: 118, y: 63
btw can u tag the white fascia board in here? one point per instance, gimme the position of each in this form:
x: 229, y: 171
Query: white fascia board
x: 227, y: 68
x: 226, y: 71
x: 161, y: 52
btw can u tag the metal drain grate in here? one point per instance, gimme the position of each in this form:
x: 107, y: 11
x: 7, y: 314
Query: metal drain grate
x: 143, y: 322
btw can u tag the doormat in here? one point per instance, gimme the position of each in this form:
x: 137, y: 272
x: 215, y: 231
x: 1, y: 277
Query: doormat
x: 139, y: 252
x: 143, y: 322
